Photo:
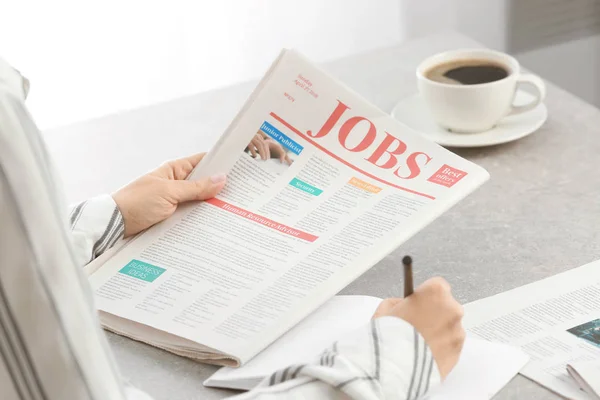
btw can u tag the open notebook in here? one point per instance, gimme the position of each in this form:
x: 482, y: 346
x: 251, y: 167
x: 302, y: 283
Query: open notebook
x: 484, y: 367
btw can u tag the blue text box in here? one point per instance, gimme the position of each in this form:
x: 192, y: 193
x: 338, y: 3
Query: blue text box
x: 281, y: 137
x: 141, y: 270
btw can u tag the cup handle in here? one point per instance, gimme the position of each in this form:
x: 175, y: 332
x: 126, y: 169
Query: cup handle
x: 540, y: 87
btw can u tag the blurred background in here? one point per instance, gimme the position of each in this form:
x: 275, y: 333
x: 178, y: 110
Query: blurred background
x: 90, y: 58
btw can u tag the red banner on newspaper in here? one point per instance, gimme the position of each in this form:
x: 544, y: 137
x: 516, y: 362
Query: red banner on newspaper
x: 447, y: 176
x: 262, y: 220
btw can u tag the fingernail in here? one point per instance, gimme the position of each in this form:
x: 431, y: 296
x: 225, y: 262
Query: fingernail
x: 218, y: 178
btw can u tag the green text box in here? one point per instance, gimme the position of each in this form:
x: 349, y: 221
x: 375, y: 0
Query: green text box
x: 305, y: 187
x: 141, y: 270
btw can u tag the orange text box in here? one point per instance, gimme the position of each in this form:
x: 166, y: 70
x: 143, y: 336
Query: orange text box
x: 364, y: 185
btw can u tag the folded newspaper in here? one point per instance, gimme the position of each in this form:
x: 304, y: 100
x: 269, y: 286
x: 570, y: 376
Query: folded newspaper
x: 321, y: 186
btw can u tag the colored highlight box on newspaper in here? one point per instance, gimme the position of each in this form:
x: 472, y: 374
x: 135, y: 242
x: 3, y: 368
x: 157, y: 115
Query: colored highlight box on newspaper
x: 141, y: 270
x: 305, y: 187
x: 259, y: 219
x: 447, y: 176
x: 359, y: 183
x: 281, y: 137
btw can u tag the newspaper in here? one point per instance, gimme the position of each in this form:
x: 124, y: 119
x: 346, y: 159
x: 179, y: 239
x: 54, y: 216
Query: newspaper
x: 321, y: 186
x: 556, y: 321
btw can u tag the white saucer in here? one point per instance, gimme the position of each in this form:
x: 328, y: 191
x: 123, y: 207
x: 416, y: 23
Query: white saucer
x: 413, y: 112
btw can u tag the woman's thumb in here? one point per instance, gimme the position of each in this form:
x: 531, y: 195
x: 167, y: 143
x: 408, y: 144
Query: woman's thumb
x: 201, y: 189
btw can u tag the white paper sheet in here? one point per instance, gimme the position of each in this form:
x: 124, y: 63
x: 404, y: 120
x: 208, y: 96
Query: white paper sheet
x: 587, y: 376
x: 483, y: 369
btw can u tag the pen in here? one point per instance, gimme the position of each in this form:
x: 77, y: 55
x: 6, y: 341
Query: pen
x: 408, y: 276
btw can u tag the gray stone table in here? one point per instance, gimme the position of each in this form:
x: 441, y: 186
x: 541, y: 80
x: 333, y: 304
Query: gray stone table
x: 537, y: 216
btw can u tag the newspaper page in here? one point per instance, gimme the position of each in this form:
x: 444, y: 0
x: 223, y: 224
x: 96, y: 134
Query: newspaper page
x: 321, y: 185
x: 556, y: 321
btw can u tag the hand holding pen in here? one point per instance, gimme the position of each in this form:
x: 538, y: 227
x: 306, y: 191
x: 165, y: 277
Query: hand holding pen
x: 434, y: 313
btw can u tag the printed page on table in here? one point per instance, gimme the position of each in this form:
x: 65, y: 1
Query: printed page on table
x: 321, y: 185
x: 556, y: 321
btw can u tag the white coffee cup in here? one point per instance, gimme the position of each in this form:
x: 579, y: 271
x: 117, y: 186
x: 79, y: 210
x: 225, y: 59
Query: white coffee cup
x: 478, y: 107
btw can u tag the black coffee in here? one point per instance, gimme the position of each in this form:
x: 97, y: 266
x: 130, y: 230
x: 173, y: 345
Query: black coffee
x: 467, y: 72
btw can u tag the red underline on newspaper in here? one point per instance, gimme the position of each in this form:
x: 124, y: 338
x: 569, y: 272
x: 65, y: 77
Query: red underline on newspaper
x: 323, y: 149
x: 269, y: 223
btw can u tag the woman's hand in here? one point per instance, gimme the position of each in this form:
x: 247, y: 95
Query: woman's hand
x: 436, y: 315
x: 258, y: 146
x: 264, y: 147
x: 277, y: 151
x: 155, y: 196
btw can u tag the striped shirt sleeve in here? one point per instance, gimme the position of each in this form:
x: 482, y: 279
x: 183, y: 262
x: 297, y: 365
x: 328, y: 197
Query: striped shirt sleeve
x: 96, y: 225
x: 51, y: 344
x: 387, y: 359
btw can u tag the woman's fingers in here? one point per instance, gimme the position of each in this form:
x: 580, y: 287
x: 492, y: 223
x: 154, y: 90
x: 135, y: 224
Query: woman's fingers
x: 264, y: 151
x: 252, y: 150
